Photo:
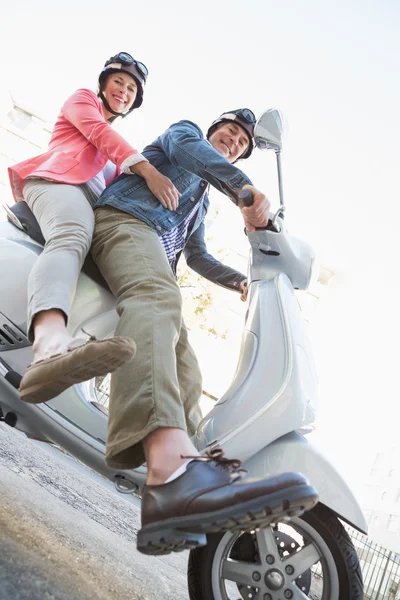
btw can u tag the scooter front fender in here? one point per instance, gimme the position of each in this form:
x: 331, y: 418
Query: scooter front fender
x: 293, y: 452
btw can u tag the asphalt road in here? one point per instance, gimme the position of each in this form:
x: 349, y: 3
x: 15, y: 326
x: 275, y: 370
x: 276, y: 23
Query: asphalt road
x: 65, y: 534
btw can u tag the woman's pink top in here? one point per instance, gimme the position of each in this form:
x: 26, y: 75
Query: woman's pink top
x: 80, y: 145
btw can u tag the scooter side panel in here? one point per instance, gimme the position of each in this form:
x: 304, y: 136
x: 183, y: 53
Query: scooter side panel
x: 274, y: 390
x: 286, y: 254
x: 17, y: 257
x: 293, y: 453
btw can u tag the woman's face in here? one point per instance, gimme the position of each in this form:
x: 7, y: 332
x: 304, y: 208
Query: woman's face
x: 120, y: 92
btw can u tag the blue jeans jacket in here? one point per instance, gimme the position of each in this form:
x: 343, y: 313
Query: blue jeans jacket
x: 188, y: 159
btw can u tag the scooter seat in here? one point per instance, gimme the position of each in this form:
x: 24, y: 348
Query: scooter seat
x: 26, y: 220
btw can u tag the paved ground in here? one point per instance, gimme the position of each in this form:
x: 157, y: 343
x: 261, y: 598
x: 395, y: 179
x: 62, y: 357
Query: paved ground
x: 65, y: 534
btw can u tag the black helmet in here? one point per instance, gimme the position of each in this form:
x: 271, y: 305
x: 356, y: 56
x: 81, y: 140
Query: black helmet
x: 243, y: 117
x: 126, y: 63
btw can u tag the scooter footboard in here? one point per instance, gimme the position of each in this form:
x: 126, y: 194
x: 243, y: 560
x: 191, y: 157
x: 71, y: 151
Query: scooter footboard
x: 293, y: 453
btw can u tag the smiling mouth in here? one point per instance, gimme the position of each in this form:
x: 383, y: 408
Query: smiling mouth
x: 226, y: 146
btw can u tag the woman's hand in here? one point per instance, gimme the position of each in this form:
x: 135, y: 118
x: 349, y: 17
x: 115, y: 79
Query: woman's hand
x: 164, y: 190
x: 244, y: 290
x: 159, y: 185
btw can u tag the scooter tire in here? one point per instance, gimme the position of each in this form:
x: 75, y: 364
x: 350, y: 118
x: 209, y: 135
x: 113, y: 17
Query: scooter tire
x: 323, y: 521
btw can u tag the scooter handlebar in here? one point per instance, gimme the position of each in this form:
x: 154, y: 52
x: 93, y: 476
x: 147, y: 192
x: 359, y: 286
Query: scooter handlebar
x: 246, y: 197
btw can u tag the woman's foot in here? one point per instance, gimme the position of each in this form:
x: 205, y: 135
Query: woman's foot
x: 51, y: 344
x: 50, y: 334
x: 82, y: 360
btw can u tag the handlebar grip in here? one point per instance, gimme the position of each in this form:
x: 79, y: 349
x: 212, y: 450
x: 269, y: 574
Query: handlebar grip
x: 246, y: 197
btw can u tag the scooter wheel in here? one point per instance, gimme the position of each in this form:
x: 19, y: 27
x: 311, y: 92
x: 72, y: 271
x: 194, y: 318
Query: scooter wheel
x: 257, y: 564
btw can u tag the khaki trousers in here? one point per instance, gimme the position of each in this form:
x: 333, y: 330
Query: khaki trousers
x: 66, y: 219
x: 161, y: 386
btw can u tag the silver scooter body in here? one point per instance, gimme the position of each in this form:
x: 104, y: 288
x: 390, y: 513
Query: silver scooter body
x: 264, y: 416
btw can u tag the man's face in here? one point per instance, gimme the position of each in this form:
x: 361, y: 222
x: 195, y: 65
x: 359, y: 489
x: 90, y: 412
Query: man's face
x: 230, y: 140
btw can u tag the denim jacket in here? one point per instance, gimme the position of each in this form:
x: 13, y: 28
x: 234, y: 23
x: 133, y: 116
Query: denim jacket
x: 182, y: 154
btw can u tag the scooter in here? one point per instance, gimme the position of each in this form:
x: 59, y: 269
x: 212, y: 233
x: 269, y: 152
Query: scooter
x: 263, y: 418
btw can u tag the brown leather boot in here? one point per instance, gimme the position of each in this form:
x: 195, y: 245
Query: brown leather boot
x: 215, y: 495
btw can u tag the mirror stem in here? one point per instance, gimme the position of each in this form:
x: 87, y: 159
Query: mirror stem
x: 279, y: 165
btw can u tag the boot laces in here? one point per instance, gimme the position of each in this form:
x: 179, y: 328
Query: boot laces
x: 217, y: 456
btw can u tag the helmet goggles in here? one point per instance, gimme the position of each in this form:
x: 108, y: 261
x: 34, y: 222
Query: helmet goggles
x: 125, y: 59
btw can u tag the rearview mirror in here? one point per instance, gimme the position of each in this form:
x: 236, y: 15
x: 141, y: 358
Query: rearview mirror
x: 268, y: 131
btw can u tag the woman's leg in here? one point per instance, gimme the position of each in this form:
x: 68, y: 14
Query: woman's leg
x: 66, y: 219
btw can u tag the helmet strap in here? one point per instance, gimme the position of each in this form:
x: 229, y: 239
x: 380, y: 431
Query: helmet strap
x: 108, y: 107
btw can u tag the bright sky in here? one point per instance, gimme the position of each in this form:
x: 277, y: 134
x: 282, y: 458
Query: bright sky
x: 332, y: 68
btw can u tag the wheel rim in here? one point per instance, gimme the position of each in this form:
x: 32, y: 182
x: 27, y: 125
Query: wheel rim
x: 292, y: 561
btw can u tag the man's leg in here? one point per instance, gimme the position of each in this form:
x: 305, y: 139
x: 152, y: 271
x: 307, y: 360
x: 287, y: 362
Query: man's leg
x: 190, y: 381
x: 145, y: 395
x: 147, y: 418
x: 165, y: 442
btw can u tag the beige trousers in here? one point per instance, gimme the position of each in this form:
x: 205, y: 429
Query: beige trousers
x: 161, y: 386
x: 66, y: 219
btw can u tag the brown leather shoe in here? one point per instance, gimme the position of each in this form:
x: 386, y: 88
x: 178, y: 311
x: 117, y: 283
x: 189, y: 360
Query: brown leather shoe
x: 214, y: 495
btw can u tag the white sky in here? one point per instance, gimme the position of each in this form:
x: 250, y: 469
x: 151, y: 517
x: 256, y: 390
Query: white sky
x: 332, y: 67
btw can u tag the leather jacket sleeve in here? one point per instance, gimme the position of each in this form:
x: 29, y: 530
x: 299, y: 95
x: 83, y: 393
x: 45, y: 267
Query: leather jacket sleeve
x: 198, y: 259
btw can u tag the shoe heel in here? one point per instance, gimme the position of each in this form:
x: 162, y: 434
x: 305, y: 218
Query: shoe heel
x: 163, y: 541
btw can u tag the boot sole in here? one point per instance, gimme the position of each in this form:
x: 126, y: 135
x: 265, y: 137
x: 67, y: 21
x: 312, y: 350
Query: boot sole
x: 171, y: 535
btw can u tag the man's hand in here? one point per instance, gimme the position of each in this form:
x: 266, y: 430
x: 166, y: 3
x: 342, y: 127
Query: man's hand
x: 257, y: 214
x: 244, y: 290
